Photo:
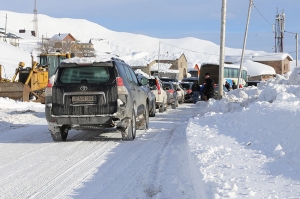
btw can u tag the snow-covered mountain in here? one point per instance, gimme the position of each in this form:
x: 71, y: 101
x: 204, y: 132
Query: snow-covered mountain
x: 135, y: 49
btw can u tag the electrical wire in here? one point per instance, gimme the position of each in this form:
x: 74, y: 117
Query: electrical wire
x: 262, y: 15
x: 188, y: 49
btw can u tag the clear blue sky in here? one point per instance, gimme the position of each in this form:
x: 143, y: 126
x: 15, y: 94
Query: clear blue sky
x: 178, y: 18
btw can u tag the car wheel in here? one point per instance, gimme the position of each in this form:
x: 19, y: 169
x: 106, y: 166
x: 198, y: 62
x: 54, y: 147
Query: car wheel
x: 145, y: 123
x: 173, y: 105
x: 161, y: 108
x: 129, y: 132
x: 153, y: 110
x: 61, y: 135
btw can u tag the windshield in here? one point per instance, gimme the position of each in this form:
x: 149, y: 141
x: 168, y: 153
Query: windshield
x: 85, y: 75
x: 52, y: 62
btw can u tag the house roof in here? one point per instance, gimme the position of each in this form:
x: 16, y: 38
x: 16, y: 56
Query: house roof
x: 61, y: 36
x: 271, y: 57
x: 259, y: 57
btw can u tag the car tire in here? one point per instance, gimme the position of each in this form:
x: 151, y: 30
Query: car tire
x: 129, y: 133
x: 153, y: 110
x: 61, y: 135
x: 145, y: 123
x: 173, y: 105
x: 161, y: 108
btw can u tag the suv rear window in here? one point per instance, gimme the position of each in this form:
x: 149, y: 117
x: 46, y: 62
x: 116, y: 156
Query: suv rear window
x: 84, y: 75
x: 186, y: 86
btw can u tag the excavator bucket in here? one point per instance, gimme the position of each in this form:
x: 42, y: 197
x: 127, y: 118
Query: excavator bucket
x: 15, y: 90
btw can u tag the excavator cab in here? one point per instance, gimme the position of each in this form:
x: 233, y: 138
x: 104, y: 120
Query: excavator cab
x: 32, y: 80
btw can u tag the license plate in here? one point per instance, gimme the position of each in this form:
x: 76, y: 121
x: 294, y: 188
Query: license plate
x: 84, y: 98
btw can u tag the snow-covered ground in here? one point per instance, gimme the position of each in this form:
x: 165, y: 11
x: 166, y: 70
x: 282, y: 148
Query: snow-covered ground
x: 243, y: 146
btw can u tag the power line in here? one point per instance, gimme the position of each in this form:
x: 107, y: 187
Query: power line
x: 188, y: 49
x: 262, y: 15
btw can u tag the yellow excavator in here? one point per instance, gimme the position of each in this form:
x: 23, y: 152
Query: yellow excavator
x: 32, y: 80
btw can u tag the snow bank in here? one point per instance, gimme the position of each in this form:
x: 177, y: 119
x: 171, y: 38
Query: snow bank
x: 246, y: 145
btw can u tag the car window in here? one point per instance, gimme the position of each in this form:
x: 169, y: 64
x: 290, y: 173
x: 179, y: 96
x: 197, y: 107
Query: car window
x: 85, y: 75
x: 128, y: 75
x: 186, y: 86
x: 134, y: 78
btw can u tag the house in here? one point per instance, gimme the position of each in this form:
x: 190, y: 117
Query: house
x: 61, y: 39
x: 279, y: 61
x: 167, y: 68
x: 65, y: 42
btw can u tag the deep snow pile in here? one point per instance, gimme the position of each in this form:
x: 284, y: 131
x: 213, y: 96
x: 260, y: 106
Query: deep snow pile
x: 247, y: 144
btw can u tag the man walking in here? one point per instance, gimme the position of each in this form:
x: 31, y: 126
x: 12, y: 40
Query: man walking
x: 208, y: 91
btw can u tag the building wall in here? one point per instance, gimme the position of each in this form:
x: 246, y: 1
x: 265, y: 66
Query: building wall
x: 261, y: 77
x: 280, y: 66
x: 178, y: 64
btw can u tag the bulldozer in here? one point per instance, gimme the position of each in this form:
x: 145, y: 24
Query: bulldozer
x: 32, y: 80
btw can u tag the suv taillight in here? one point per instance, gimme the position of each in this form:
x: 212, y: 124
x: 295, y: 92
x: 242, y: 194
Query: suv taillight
x: 171, y: 91
x: 120, y: 81
x: 49, y: 85
x: 120, y: 85
x: 158, y: 87
x: 189, y: 91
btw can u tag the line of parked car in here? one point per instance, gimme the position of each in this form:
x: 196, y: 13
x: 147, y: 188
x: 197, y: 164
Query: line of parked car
x: 107, y: 93
x: 169, y: 92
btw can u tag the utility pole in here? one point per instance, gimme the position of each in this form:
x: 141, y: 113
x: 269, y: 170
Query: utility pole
x: 296, y: 45
x: 279, y: 32
x: 158, y: 59
x: 297, y: 49
x: 35, y: 20
x: 5, y: 29
x: 245, y: 41
x: 222, y: 49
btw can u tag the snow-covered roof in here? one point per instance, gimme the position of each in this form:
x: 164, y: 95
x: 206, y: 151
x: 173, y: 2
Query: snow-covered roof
x: 160, y: 67
x: 81, y: 60
x: 255, y: 68
x: 210, y: 63
x: 259, y: 57
x: 271, y: 56
x: 60, y: 36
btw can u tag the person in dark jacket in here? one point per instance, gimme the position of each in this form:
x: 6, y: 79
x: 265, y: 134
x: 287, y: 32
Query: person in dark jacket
x: 227, y: 85
x: 195, y: 90
x: 234, y: 86
x: 208, y: 91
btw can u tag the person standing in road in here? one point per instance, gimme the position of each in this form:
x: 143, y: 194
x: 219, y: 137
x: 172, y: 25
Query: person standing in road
x: 227, y: 85
x: 195, y: 90
x: 234, y: 86
x: 208, y: 91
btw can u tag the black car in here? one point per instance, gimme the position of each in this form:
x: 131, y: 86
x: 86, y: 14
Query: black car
x: 187, y: 87
x: 101, y: 94
x: 190, y: 79
x: 172, y: 94
x: 168, y: 79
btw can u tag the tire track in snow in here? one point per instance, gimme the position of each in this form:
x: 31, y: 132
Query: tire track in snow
x: 25, y: 170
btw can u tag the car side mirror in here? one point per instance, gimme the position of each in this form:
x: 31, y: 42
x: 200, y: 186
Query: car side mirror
x: 144, y: 81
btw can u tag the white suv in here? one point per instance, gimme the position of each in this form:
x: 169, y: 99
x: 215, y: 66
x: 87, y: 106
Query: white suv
x: 160, y: 94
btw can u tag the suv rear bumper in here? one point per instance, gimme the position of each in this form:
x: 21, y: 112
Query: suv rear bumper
x: 77, y: 120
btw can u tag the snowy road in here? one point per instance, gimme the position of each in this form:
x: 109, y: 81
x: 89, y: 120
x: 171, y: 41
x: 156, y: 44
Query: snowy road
x: 94, y: 165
